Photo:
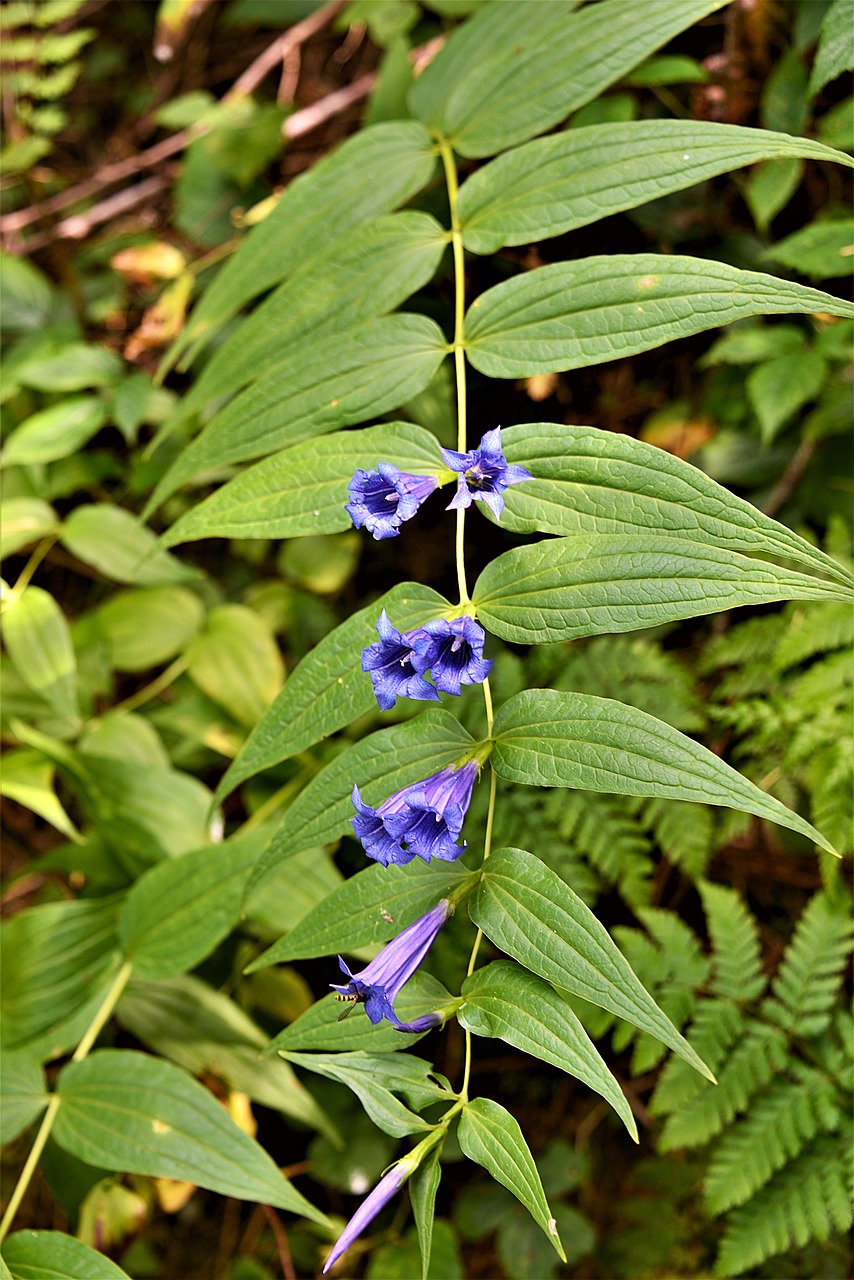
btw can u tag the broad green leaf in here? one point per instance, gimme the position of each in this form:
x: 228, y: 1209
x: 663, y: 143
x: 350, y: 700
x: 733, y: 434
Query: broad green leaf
x: 225, y: 1042
x: 328, y: 689
x: 769, y: 188
x: 147, y: 627
x: 58, y: 958
x: 372, y: 906
x: 374, y: 1078
x: 74, y: 366
x: 573, y: 314
x: 380, y: 764
x: 55, y: 432
x: 302, y: 490
x: 366, y: 273
x: 23, y: 1092
x: 567, y: 180
x: 22, y: 521
x: 27, y: 778
x: 114, y: 542
x: 529, y: 913
x: 835, y: 47
x: 589, y: 481
x: 371, y: 173
x: 340, y: 380
x: 319, y: 1027
x: 492, y: 1137
x: 506, y: 1001
x: 565, y: 588
x: 39, y: 643
x: 235, y: 660
x: 125, y: 735
x: 546, y: 738
x: 27, y: 295
x: 127, y: 1111
x: 179, y: 911
x: 777, y: 388
x: 423, y: 1186
x: 516, y: 70
x: 822, y: 250
x: 54, y: 1255
x: 289, y: 894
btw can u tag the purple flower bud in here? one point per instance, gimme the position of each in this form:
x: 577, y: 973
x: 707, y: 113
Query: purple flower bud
x: 453, y: 654
x: 390, y: 663
x: 377, y: 986
x: 387, y: 1187
x: 381, y: 500
x: 484, y: 473
x: 423, y: 819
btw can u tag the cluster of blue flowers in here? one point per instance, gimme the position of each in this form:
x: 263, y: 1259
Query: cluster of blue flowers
x: 423, y: 820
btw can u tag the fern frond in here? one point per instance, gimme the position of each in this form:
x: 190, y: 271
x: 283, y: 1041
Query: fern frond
x: 761, y: 1053
x: 747, y: 643
x: 603, y: 832
x: 715, y: 1029
x: 808, y: 1200
x: 682, y: 831
x: 832, y: 810
x: 819, y: 629
x: 805, y: 988
x: 636, y: 671
x: 737, y: 971
x: 781, y: 1122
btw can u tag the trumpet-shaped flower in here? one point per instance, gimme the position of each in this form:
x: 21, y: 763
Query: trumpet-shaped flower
x: 381, y: 500
x: 422, y: 820
x: 484, y: 473
x: 453, y: 653
x: 387, y: 1187
x: 390, y: 662
x: 377, y: 986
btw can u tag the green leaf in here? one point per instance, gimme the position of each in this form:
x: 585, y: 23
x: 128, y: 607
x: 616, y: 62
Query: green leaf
x: 236, y: 662
x: 589, y: 481
x: 380, y: 764
x: 55, y: 432
x: 545, y: 738
x: 372, y: 906
x: 39, y: 643
x: 23, y: 1092
x: 22, y: 521
x: 58, y: 959
x: 37, y: 1255
x: 328, y: 689
x: 506, y: 1001
x: 127, y: 1111
x: 149, y: 626
x: 823, y: 250
x: 319, y: 1027
x: 302, y: 490
x: 490, y: 1136
x: 571, y: 179
x: 374, y: 171
x: 565, y: 588
x: 366, y: 273
x: 27, y: 295
x: 114, y: 542
x: 423, y: 1186
x: 76, y: 365
x: 27, y: 778
x: 516, y: 70
x: 529, y: 913
x: 225, y: 1043
x: 179, y: 911
x: 374, y: 1078
x: 778, y: 388
x: 573, y: 314
x: 341, y: 379
x: 770, y: 187
x: 835, y: 47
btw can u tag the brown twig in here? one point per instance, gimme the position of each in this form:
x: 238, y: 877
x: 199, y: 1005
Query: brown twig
x: 319, y: 112
x: 788, y: 482
x: 281, y: 1243
x: 279, y: 49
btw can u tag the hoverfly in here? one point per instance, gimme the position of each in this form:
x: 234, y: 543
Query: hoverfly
x: 350, y: 1000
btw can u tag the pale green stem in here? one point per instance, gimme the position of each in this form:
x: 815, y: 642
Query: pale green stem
x: 163, y: 681
x: 33, y: 563
x: 458, y: 348
x: 108, y: 1005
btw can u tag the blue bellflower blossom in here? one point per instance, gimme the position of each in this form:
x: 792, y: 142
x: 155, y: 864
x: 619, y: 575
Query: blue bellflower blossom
x: 453, y: 653
x: 422, y: 820
x: 381, y: 500
x: 377, y: 986
x: 390, y: 663
x: 387, y: 1187
x: 484, y: 474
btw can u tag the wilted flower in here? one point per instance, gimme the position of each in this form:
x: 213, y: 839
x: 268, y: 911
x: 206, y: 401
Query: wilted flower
x: 454, y: 654
x: 390, y: 663
x: 377, y: 986
x: 388, y: 1186
x: 381, y: 500
x: 484, y: 473
x: 423, y: 819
